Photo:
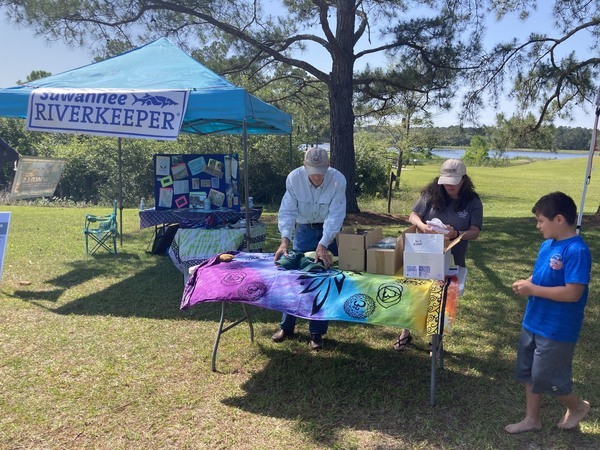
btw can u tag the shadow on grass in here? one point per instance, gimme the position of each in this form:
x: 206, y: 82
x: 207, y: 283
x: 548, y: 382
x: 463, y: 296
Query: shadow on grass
x: 351, y: 386
x: 153, y: 292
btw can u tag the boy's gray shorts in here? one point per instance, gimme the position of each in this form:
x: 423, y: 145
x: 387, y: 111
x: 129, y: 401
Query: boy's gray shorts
x: 545, y: 364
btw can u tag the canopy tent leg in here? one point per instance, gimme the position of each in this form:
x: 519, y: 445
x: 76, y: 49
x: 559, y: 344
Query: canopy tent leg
x: 291, y: 154
x: 120, y: 191
x: 246, y: 182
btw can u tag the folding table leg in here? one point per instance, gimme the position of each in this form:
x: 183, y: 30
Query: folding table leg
x: 247, y: 316
x: 221, y: 330
x: 436, y: 350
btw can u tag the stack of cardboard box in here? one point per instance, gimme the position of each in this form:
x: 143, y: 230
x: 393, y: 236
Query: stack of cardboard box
x: 414, y: 255
x: 353, y: 245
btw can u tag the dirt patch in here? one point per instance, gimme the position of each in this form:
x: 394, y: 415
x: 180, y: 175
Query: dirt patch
x: 375, y: 219
x: 362, y: 218
x: 390, y: 220
x: 592, y: 220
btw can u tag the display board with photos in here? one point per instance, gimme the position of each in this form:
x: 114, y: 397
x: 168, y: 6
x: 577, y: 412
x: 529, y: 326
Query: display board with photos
x: 182, y: 181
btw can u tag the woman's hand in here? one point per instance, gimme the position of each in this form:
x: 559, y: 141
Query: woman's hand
x: 452, y: 232
x: 424, y: 228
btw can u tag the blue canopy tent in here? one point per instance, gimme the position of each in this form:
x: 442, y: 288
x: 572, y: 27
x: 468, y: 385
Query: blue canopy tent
x: 215, y: 106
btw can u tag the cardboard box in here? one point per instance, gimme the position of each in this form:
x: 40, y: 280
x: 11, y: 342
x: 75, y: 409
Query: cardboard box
x: 352, y: 247
x: 423, y: 243
x: 425, y: 255
x: 431, y: 266
x: 385, y: 261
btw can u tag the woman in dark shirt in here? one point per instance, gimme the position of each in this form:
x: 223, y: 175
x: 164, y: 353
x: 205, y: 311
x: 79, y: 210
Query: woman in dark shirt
x: 452, y: 199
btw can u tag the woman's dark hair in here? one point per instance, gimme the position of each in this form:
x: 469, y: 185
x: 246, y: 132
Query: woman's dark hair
x: 436, y: 195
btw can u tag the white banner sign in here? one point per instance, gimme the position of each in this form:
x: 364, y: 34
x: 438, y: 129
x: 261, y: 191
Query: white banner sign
x: 36, y: 177
x: 108, y: 112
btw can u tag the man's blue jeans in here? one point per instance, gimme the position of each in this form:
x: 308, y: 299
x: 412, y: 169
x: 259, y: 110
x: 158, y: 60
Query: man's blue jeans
x: 306, y: 240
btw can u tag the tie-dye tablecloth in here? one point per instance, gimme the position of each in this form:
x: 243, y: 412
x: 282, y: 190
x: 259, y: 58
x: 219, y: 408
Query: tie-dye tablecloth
x: 193, y: 246
x: 426, y: 307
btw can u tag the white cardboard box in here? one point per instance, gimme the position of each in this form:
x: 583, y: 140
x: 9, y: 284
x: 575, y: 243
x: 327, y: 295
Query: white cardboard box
x: 423, y: 243
x: 433, y: 265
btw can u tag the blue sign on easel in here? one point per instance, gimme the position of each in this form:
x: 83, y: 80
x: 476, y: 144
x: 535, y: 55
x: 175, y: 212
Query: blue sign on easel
x: 4, y: 223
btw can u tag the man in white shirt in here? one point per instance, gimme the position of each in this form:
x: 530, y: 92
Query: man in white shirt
x: 313, y: 209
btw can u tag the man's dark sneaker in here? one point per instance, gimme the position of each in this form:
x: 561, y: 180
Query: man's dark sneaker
x: 316, y: 342
x: 280, y: 335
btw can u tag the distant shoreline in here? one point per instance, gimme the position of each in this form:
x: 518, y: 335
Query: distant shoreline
x: 529, y: 150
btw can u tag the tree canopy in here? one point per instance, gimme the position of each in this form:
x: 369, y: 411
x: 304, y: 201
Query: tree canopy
x: 431, y: 47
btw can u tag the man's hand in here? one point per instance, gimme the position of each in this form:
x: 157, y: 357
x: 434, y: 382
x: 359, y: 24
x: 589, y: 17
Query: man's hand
x: 323, y: 255
x: 282, y: 250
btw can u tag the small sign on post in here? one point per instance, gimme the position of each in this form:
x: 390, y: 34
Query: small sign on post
x: 4, y: 223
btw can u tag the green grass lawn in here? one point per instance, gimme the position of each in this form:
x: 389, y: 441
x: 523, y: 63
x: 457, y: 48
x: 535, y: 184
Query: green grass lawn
x: 95, y: 353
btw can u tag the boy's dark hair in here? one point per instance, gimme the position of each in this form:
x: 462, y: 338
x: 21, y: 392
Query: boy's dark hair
x: 551, y: 205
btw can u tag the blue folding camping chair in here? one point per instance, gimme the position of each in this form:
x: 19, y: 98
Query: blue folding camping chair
x: 101, y: 230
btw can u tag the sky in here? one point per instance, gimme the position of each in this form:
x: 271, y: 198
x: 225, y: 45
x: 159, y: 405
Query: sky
x: 22, y: 52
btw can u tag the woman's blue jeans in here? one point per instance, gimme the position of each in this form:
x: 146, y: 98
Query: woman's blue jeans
x: 306, y: 240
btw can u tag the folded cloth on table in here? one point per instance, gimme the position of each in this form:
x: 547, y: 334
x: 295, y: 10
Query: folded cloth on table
x: 313, y: 255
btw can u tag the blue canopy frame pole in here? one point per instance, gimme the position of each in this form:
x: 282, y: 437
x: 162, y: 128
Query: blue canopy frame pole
x: 291, y: 155
x: 246, y: 182
x: 120, y: 148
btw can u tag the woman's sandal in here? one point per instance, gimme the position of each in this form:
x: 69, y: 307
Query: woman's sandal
x: 402, y: 343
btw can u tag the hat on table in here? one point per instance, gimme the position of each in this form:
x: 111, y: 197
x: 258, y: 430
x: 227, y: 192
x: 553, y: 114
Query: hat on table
x: 316, y: 161
x: 296, y: 260
x: 452, y: 172
x: 291, y: 260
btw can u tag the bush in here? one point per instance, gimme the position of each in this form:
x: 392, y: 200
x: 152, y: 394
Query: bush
x: 372, y: 167
x: 478, y: 151
x: 269, y: 162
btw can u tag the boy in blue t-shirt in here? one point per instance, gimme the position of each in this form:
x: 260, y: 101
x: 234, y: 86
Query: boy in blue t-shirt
x: 557, y: 292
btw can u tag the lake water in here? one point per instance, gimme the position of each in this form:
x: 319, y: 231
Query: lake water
x: 458, y: 153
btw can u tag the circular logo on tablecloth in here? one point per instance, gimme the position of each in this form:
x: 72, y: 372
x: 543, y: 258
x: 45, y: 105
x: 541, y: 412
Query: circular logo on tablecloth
x: 252, y: 291
x: 389, y: 294
x: 233, y: 278
x: 359, y: 306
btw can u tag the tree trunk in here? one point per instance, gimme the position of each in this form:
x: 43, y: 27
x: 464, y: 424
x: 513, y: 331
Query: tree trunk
x: 399, y: 168
x: 340, y: 102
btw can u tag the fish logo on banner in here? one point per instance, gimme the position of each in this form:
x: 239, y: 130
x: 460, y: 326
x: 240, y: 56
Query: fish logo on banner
x: 157, y: 100
x: 155, y: 114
